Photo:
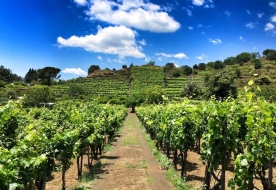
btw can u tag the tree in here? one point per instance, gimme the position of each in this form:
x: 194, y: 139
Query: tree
x: 31, y: 75
x: 151, y: 63
x: 221, y: 85
x: 169, y: 66
x: 229, y: 61
x: 191, y: 90
x: 47, y: 74
x: 38, y: 97
x: 218, y: 65
x: 243, y: 57
x: 195, y: 66
x: 210, y: 64
x: 7, y: 75
x: 270, y: 54
x: 154, y: 95
x: 256, y: 63
x: 187, y: 70
x: 93, y: 68
x: 201, y: 66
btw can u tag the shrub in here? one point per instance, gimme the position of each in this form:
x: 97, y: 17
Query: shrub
x: 11, y: 94
x: 191, y: 90
x: 2, y: 84
x: 39, y: 97
x: 176, y: 73
x: 256, y: 63
x: 76, y: 90
x: 264, y: 80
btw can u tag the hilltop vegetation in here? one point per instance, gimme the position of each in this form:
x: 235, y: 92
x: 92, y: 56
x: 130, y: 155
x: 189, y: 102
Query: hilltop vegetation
x: 116, y: 86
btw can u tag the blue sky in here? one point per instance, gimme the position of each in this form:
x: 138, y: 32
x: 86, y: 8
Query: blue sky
x: 74, y: 34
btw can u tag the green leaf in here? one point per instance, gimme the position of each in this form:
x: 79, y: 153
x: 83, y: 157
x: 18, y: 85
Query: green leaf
x: 251, y: 82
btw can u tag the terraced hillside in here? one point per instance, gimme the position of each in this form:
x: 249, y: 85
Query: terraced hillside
x: 146, y: 76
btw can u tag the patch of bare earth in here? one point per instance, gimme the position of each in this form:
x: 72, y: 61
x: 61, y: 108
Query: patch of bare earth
x: 130, y: 165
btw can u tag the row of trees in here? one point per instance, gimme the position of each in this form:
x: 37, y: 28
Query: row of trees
x: 6, y: 75
x: 44, y: 75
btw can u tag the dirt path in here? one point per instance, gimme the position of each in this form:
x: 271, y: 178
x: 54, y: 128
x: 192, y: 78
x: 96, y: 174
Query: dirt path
x: 130, y: 165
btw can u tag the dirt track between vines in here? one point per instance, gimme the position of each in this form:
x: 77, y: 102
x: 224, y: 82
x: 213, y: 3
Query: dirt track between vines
x: 130, y: 165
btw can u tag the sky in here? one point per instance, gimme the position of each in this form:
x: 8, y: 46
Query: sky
x: 72, y: 35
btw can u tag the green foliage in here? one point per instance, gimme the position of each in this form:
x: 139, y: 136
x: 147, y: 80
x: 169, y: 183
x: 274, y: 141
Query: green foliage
x: 136, y: 99
x: 221, y: 85
x: 93, y: 68
x: 270, y: 54
x: 47, y: 74
x: 191, y: 90
x: 229, y: 61
x: 154, y: 95
x: 176, y: 73
x: 264, y: 80
x: 11, y: 94
x: 38, y: 97
x: 195, y: 66
x: 256, y: 63
x: 218, y: 65
x: 187, y: 70
x: 169, y: 66
x: 30, y: 76
x: 7, y: 75
x: 210, y: 64
x: 76, y: 90
x: 2, y: 84
x: 201, y: 66
x: 151, y: 63
x: 243, y: 57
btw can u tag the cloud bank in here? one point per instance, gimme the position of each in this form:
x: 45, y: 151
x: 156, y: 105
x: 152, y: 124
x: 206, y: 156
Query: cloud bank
x: 75, y: 71
x: 136, y: 13
x: 116, y: 40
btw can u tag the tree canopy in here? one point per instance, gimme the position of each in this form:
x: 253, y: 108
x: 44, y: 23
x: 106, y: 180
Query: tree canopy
x: 221, y: 85
x: 7, y: 75
x: 169, y: 66
x: 31, y: 75
x: 47, y: 74
x: 243, y: 57
x: 93, y: 68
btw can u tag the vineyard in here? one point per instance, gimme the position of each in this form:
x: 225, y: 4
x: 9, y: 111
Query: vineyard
x: 234, y: 135
x: 35, y: 142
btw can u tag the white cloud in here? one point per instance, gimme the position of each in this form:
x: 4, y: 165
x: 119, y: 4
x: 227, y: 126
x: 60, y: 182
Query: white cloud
x: 269, y: 26
x: 191, y: 28
x: 147, y: 59
x: 227, y: 13
x: 209, y: 6
x: 251, y: 25
x: 248, y: 12
x: 189, y: 12
x: 272, y: 4
x: 75, y: 71
x: 215, y: 41
x: 201, y: 57
x: 241, y: 38
x: 198, y: 2
x: 178, y: 55
x: 143, y: 42
x: 273, y: 18
x: 199, y: 25
x: 260, y: 15
x: 100, y: 58
x: 116, y: 40
x: 80, y: 2
x: 137, y: 14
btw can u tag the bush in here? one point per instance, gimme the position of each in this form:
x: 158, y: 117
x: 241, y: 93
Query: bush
x: 176, y: 73
x: 191, y: 91
x: 2, y: 84
x: 11, y: 94
x: 154, y: 95
x: 201, y: 66
x: 256, y: 63
x: 39, y: 97
x: 264, y: 80
x: 76, y: 90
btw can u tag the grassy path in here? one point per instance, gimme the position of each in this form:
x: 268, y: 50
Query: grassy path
x: 130, y: 164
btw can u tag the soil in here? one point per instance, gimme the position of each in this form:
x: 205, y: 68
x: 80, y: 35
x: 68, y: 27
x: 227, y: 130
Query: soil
x: 131, y: 165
